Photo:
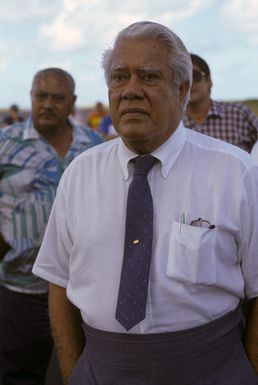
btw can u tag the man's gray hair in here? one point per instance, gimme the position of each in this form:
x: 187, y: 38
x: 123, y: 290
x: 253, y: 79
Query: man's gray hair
x: 179, y: 57
x: 56, y: 72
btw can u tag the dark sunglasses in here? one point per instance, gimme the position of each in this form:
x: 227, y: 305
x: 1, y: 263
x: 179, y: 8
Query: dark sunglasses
x: 197, y: 76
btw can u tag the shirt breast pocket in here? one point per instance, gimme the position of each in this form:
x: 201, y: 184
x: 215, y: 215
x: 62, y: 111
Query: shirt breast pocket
x: 192, y: 256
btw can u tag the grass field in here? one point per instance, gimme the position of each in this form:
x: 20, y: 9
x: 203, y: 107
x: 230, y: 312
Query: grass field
x: 251, y: 103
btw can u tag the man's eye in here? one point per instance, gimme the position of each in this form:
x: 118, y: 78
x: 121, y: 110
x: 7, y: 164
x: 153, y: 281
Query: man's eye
x: 150, y: 76
x: 58, y: 98
x: 40, y: 97
x: 118, y: 77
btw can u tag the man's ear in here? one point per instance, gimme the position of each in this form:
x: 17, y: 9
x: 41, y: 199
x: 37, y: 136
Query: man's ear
x: 73, y: 104
x: 210, y: 83
x: 183, y: 90
x: 74, y: 99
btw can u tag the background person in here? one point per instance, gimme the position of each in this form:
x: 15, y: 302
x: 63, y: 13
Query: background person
x: 181, y: 324
x: 33, y: 155
x: 234, y: 123
x: 106, y: 128
x: 95, y: 117
x: 13, y: 116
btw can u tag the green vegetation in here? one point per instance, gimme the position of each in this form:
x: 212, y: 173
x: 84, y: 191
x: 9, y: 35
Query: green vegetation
x: 252, y: 104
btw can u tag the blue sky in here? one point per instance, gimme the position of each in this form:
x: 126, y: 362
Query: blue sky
x: 72, y: 34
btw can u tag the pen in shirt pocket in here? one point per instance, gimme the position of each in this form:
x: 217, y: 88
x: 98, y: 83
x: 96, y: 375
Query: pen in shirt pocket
x: 182, y: 220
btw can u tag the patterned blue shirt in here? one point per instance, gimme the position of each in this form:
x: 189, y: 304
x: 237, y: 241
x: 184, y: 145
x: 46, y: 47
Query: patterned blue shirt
x: 30, y: 170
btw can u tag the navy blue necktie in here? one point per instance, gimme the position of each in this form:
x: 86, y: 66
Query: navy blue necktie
x: 132, y: 296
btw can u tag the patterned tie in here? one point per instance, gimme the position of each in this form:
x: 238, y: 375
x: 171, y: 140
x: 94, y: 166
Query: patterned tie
x: 132, y: 296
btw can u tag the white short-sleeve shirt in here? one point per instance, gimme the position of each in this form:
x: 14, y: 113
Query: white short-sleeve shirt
x: 197, y: 274
x: 254, y: 152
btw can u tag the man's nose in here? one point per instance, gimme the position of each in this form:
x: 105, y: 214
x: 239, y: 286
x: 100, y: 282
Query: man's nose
x: 133, y: 88
x: 48, y: 102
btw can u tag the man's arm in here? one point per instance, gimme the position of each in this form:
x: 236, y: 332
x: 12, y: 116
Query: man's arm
x: 251, y: 333
x: 67, y: 329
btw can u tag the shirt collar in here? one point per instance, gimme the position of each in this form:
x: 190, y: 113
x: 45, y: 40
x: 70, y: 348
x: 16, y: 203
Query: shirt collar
x: 167, y: 153
x: 79, y: 133
x: 215, y: 109
x: 29, y: 131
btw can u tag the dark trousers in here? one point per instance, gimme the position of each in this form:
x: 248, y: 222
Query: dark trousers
x: 25, y: 338
x: 211, y: 354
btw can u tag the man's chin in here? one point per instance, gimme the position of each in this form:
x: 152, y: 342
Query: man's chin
x: 133, y: 127
x: 46, y: 126
x: 134, y: 135
x: 193, y: 100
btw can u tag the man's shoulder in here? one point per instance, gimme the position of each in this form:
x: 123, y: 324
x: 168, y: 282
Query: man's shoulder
x: 223, y: 149
x: 231, y: 106
x: 93, y: 162
x: 11, y: 137
x: 82, y: 129
x: 101, y: 151
x: 12, y: 132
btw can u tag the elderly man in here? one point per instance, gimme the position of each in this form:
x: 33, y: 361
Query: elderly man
x: 157, y: 250
x: 33, y: 155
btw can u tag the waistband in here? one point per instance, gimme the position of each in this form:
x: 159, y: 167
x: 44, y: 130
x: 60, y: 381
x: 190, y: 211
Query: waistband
x: 216, y: 337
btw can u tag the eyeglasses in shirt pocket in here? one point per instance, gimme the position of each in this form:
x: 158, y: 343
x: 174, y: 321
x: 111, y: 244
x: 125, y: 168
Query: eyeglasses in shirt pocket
x: 192, y: 256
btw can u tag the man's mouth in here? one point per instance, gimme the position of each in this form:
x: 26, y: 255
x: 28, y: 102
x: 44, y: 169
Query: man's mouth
x: 126, y: 111
x: 47, y: 116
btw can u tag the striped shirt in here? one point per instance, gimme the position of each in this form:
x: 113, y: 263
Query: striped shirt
x: 234, y: 123
x: 30, y: 170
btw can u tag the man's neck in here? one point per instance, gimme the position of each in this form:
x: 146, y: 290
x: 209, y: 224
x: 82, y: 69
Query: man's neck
x: 60, y: 139
x: 197, y: 111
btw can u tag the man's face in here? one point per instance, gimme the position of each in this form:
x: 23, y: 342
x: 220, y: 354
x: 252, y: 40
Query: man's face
x: 201, y: 87
x: 52, y: 102
x: 14, y: 113
x: 145, y: 103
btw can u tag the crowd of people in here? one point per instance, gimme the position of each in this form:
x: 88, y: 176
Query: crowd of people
x: 130, y: 240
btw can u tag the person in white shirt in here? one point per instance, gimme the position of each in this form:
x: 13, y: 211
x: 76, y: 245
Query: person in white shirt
x: 205, y: 236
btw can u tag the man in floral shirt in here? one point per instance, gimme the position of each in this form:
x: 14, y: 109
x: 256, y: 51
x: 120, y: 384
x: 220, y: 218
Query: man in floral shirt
x: 33, y: 156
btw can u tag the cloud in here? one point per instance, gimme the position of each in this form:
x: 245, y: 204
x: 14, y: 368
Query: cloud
x: 8, y: 50
x: 91, y: 22
x: 243, y: 15
x: 71, y: 5
x: 63, y: 63
x: 15, y: 10
x: 184, y: 9
x: 72, y: 34
x: 62, y: 34
x: 177, y: 8
x: 3, y: 64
